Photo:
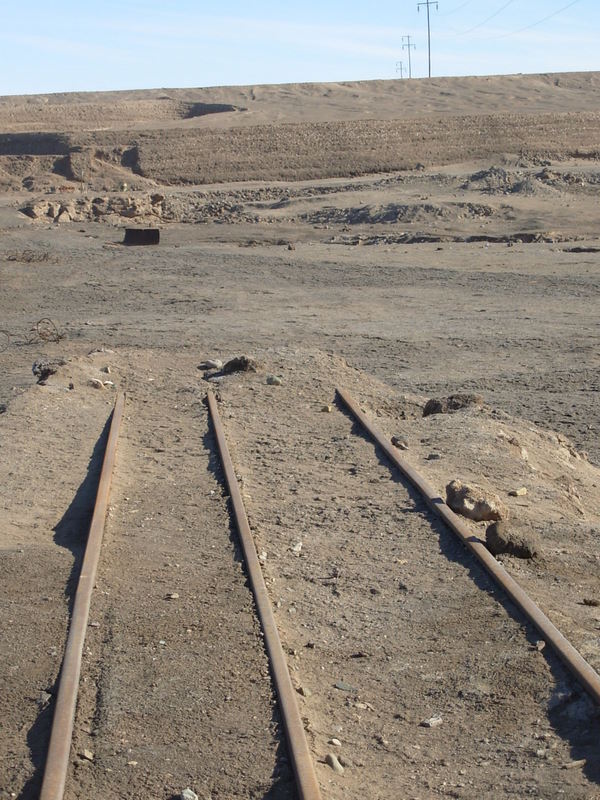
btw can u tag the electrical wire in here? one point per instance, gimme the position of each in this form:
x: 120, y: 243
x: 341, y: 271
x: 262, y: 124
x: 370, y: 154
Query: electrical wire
x: 539, y: 22
x: 485, y: 21
x: 454, y: 10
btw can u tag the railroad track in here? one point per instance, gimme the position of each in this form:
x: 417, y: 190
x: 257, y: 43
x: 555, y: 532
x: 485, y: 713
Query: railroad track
x: 302, y: 761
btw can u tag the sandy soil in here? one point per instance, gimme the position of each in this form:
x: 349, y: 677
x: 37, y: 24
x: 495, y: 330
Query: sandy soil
x: 478, y: 271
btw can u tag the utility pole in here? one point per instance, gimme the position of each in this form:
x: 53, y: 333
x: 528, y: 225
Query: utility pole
x: 408, y: 46
x: 428, y: 3
x: 400, y: 68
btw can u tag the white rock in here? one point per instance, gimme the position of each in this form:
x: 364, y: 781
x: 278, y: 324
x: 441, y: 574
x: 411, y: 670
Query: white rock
x: 188, y: 794
x: 432, y: 722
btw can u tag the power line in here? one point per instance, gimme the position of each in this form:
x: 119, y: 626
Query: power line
x: 458, y: 8
x: 407, y: 46
x: 540, y: 21
x: 428, y: 3
x: 485, y: 21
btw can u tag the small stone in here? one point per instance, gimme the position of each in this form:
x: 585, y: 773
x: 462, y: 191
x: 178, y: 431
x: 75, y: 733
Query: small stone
x: 332, y: 760
x: 291, y: 246
x: 400, y: 443
x: 44, y: 698
x: 432, y: 722
x: 335, y: 742
x: 94, y: 624
x: 188, y: 794
x: 541, y: 753
x: 540, y: 645
x: 455, y: 402
x: 132, y: 763
x: 173, y: 596
x: 96, y: 384
x: 345, y: 762
x: 106, y: 370
x: 327, y: 409
x: 345, y: 687
x: 433, y: 457
x: 297, y: 548
x: 274, y: 380
x: 588, y: 601
x: 87, y: 755
x: 304, y: 691
x: 240, y: 364
x: 262, y: 557
x: 524, y: 454
x: 520, y: 492
x: 575, y: 764
x: 211, y: 363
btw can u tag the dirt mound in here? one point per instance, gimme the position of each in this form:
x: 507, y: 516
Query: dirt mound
x: 394, y: 213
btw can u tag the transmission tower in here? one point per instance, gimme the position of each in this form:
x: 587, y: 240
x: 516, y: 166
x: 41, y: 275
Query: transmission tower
x: 400, y: 68
x: 428, y: 3
x: 408, y: 46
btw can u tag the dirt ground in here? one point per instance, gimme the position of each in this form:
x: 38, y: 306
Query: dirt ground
x: 478, y: 275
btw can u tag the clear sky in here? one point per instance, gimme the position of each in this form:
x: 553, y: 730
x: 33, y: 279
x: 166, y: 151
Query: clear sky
x: 75, y: 45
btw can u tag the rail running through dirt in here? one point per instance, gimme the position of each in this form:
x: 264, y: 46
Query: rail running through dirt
x: 306, y: 779
x: 574, y: 661
x: 57, y: 760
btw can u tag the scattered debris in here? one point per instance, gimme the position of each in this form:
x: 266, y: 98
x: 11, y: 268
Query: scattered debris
x: 87, y: 755
x: 521, y: 492
x: 327, y: 409
x: 400, y: 443
x: 42, y: 369
x: 274, y: 380
x: 474, y: 502
x: 452, y: 403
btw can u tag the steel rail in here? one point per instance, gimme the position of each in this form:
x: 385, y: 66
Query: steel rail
x: 57, y: 760
x: 306, y: 779
x: 571, y: 657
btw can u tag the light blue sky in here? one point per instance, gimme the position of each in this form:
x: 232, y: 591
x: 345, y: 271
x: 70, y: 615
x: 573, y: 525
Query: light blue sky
x: 76, y: 45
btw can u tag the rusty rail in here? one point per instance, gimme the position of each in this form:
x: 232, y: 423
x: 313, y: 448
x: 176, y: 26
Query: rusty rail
x: 571, y: 657
x: 306, y: 780
x: 57, y: 760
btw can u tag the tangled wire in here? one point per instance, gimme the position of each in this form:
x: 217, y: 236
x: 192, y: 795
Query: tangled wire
x: 44, y: 330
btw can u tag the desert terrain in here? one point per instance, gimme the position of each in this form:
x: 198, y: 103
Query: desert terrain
x: 403, y: 240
